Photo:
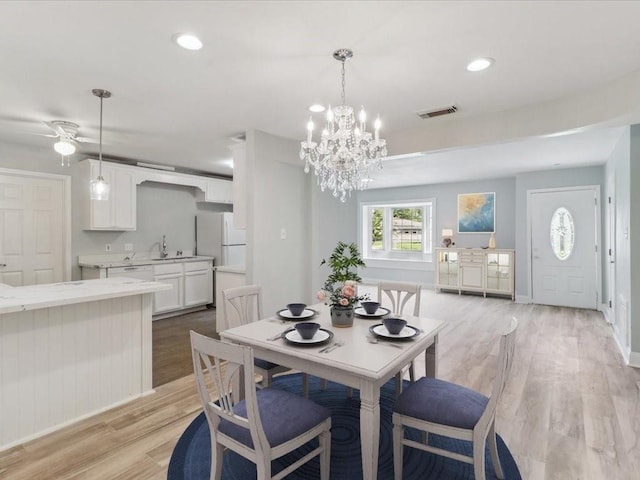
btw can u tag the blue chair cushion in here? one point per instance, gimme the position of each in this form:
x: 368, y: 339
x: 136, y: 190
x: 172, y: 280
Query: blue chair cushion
x: 284, y: 416
x: 441, y: 402
x: 264, y: 364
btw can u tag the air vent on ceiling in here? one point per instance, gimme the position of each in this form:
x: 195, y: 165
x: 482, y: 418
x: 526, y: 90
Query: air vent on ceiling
x: 438, y: 112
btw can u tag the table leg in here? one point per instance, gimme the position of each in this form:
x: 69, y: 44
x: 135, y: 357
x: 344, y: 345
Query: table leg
x: 369, y: 429
x: 431, y: 359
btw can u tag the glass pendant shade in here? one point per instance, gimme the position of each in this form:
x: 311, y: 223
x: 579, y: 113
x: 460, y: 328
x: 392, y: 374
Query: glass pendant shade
x: 65, y: 147
x: 99, y: 189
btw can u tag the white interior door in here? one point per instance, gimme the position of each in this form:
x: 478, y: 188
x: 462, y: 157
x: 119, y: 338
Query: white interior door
x: 33, y: 236
x: 564, y: 247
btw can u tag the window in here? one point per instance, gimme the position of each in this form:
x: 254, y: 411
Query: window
x: 562, y: 233
x: 397, y: 231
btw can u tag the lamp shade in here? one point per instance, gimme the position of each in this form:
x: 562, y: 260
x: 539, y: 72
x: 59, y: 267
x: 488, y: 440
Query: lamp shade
x: 99, y: 189
x: 65, y: 147
x: 447, y: 232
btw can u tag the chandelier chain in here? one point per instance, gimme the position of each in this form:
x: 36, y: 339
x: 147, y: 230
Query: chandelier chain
x: 344, y: 101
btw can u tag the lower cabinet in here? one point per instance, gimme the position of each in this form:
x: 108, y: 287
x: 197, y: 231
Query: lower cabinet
x: 198, y: 284
x: 168, y: 300
x: 475, y: 270
x: 192, y: 284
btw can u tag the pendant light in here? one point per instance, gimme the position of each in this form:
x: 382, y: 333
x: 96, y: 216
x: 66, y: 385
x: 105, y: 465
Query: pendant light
x: 100, y: 188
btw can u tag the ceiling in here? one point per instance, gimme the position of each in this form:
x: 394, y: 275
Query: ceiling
x: 263, y: 63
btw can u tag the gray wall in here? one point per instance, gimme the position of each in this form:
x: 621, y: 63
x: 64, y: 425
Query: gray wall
x: 277, y: 199
x: 446, y: 210
x: 633, y: 236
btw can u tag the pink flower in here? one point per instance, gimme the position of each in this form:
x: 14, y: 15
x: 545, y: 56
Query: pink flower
x: 348, y: 291
x: 321, y: 295
x: 344, y: 302
x: 350, y: 283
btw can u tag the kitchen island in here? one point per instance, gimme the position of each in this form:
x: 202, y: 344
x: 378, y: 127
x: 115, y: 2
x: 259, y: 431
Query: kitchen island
x: 70, y: 350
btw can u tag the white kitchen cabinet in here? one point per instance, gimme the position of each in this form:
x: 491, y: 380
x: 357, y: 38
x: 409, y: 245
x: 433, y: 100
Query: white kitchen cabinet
x: 475, y: 270
x: 218, y: 191
x: 169, y: 300
x: 198, y: 283
x: 117, y: 213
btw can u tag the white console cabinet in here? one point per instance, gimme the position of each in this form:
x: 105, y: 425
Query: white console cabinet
x: 475, y: 270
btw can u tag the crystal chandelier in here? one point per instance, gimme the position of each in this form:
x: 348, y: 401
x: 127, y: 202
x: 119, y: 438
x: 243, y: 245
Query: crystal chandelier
x: 342, y: 161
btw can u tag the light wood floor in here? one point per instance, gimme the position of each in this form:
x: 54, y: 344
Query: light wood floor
x: 571, y: 409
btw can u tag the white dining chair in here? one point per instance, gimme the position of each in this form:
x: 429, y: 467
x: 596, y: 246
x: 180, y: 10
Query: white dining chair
x: 266, y: 424
x: 246, y: 307
x: 436, y: 406
x: 397, y: 296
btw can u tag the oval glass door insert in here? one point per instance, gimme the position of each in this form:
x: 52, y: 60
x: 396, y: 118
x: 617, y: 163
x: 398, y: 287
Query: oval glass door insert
x: 562, y: 233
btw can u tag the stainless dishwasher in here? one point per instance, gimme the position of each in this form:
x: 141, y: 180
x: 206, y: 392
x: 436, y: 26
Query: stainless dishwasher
x: 142, y: 272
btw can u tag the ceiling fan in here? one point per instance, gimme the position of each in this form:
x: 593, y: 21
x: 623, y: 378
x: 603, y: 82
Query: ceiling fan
x: 67, y: 133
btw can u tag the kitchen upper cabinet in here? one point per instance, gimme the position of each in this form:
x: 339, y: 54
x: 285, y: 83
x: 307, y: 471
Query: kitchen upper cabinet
x: 117, y: 213
x: 218, y: 191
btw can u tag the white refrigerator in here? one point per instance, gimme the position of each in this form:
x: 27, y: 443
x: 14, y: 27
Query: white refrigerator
x: 217, y: 237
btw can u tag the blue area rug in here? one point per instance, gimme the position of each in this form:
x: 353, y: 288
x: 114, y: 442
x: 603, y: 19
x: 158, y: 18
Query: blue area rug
x: 191, y: 457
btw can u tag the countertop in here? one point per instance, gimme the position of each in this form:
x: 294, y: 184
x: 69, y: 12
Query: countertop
x: 239, y: 269
x: 119, y: 260
x: 33, y: 297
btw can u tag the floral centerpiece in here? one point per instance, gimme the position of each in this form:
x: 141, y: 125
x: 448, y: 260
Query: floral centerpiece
x: 340, y: 288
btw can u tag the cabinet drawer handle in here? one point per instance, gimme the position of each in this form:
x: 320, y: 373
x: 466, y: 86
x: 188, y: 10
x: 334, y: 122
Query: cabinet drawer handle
x: 4, y: 264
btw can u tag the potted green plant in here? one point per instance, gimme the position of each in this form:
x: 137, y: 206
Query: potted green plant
x: 339, y: 289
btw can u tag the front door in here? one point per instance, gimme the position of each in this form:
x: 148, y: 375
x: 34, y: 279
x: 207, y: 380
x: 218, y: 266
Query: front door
x: 33, y: 228
x: 564, y: 247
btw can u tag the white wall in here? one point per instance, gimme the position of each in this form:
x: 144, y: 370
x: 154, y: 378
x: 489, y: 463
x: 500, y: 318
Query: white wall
x: 617, y: 174
x: 278, y: 198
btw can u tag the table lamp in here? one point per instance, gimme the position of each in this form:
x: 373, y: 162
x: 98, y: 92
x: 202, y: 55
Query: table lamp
x: 447, y: 234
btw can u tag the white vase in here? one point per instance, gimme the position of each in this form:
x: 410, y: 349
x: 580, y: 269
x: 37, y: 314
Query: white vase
x: 492, y: 241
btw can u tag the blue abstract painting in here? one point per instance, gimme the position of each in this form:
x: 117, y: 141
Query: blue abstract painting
x: 476, y: 213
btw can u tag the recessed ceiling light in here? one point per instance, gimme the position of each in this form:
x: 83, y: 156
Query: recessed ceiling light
x: 188, y: 41
x: 316, y: 108
x: 480, y: 64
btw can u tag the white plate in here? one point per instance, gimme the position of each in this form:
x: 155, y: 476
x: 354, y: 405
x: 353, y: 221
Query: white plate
x: 381, y: 312
x: 321, y: 336
x: 306, y: 313
x: 407, y: 332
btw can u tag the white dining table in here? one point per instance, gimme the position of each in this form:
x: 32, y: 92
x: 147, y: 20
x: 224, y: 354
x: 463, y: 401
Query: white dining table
x: 355, y: 363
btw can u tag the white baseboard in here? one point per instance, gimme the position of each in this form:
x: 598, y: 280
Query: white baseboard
x: 634, y: 359
x: 523, y: 299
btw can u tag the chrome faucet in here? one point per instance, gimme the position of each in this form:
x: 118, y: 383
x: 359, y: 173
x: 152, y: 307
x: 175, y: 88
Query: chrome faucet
x: 163, y: 250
